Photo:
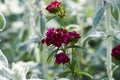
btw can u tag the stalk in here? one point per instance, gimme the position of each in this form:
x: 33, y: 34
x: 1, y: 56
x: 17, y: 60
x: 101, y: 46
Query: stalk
x: 45, y: 66
x: 109, y: 44
x: 37, y: 55
x: 73, y: 72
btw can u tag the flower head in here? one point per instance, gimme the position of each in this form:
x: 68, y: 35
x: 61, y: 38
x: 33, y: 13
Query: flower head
x: 60, y: 36
x: 116, y: 52
x: 74, y: 36
x: 65, y: 38
x: 61, y: 58
x: 54, y: 7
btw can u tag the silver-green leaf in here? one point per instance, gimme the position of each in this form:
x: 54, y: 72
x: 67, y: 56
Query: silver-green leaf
x: 99, y: 14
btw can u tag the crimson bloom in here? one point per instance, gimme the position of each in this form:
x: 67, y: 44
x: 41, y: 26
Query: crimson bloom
x: 116, y: 52
x: 65, y: 38
x: 61, y: 58
x: 60, y: 36
x: 54, y: 7
x: 74, y: 36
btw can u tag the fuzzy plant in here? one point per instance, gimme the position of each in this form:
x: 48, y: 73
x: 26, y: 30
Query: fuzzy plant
x: 17, y: 72
x: 65, y: 41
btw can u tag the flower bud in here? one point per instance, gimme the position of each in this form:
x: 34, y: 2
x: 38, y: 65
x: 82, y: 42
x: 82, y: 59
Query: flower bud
x: 116, y: 52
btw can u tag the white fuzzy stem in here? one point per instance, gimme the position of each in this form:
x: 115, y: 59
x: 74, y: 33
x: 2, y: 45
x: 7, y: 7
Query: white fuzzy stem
x: 109, y: 44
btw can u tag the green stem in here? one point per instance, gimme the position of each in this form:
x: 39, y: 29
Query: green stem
x: 109, y: 44
x: 73, y: 72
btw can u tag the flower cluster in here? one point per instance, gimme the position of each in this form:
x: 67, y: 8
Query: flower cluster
x: 60, y: 36
x: 116, y: 52
x: 54, y: 7
x: 61, y: 58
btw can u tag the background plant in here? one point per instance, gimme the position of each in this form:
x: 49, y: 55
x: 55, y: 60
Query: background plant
x: 26, y: 27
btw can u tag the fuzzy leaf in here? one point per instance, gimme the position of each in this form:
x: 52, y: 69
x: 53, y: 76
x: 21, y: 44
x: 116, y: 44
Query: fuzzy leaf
x: 98, y: 16
x: 107, y: 79
x: 3, y: 78
x: 25, y: 45
x: 42, y: 24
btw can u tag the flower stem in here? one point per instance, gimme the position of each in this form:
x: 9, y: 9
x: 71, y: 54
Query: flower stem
x: 109, y: 44
x: 73, y: 66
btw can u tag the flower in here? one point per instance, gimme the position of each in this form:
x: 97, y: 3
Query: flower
x: 54, y: 7
x: 48, y: 41
x: 43, y: 41
x: 65, y: 38
x: 61, y: 58
x: 57, y: 42
x: 60, y: 36
x: 116, y: 52
x: 74, y: 36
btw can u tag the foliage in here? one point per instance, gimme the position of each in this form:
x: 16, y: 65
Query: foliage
x: 23, y: 24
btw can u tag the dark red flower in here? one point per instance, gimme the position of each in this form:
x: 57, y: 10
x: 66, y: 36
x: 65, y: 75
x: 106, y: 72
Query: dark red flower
x: 61, y: 30
x: 49, y: 7
x: 56, y: 3
x: 116, y: 52
x: 74, y: 34
x: 48, y: 41
x: 54, y: 7
x: 57, y: 42
x: 60, y: 36
x: 65, y: 38
x: 50, y: 34
x: 61, y: 58
x: 43, y: 41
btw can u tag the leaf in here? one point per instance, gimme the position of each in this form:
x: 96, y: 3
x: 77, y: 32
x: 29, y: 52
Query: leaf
x: 3, y: 78
x: 97, y: 34
x: 115, y: 13
x: 3, y: 1
x: 74, y: 46
x: 23, y: 46
x: 51, y: 54
x: 98, y: 16
x: 42, y: 24
x: 63, y: 79
x: 107, y: 79
x: 117, y: 36
x: 2, y: 22
x: 64, y: 74
x: 3, y: 60
x: 72, y: 27
x: 85, y: 73
x: 50, y: 17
